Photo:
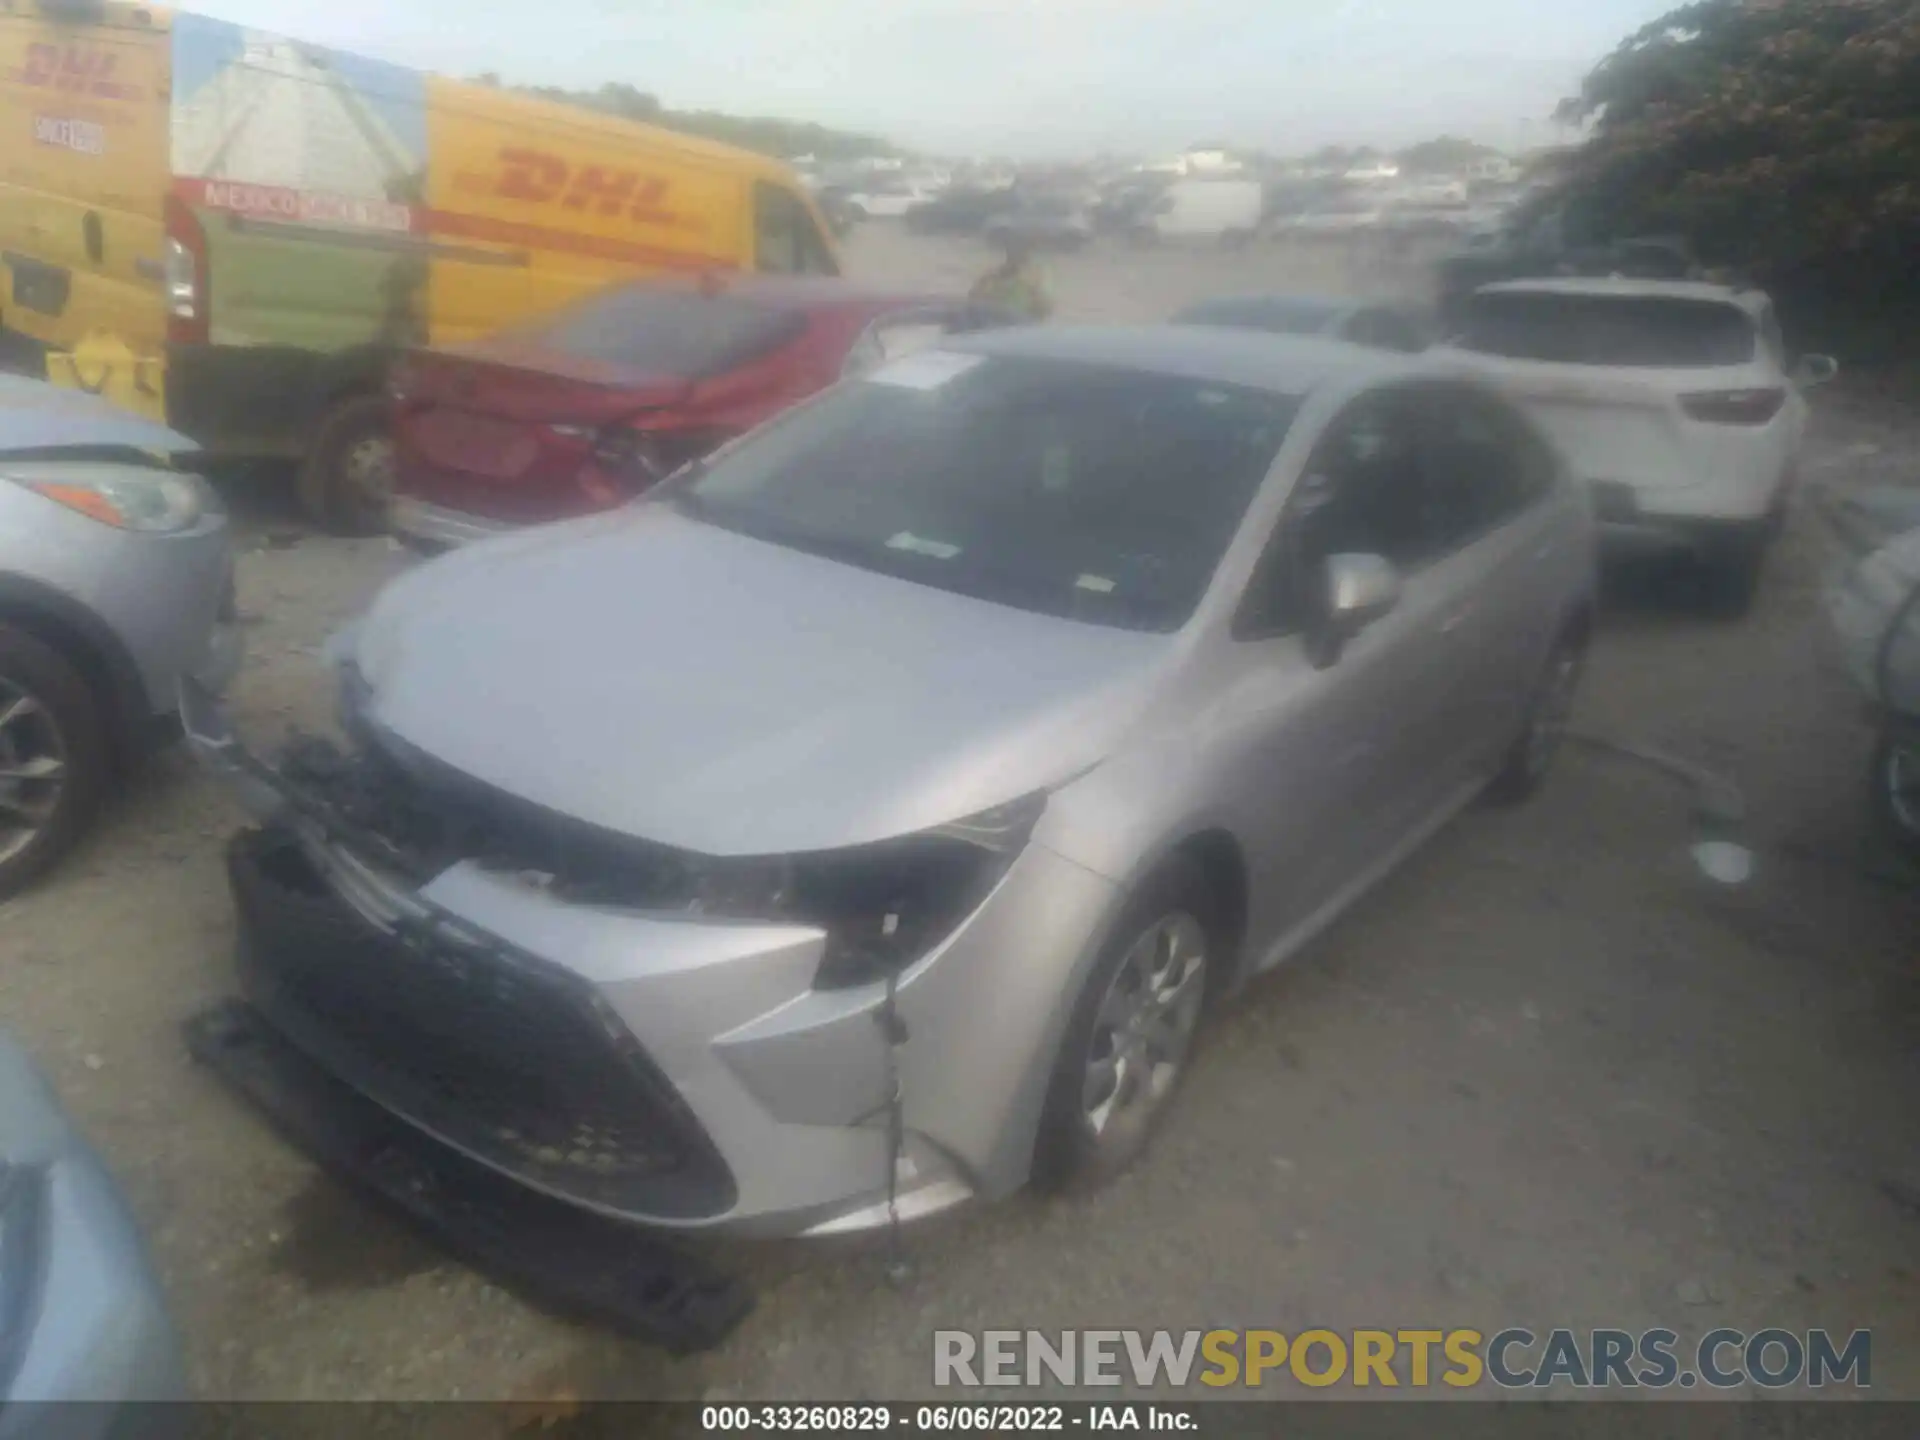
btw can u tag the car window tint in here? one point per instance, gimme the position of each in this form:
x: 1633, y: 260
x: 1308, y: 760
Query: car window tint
x: 786, y: 241
x: 1628, y: 330
x: 1360, y: 493
x: 1082, y: 490
x: 1477, y: 470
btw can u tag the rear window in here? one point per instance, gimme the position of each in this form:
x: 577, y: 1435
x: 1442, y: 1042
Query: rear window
x: 1607, y: 330
x: 666, y: 332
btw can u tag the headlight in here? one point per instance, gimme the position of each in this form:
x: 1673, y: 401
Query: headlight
x: 884, y: 906
x: 127, y: 497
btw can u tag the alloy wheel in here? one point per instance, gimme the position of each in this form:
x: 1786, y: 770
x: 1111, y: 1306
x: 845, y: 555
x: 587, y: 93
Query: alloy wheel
x: 1902, y: 776
x: 33, y: 768
x: 1144, y: 1028
x: 1552, y: 708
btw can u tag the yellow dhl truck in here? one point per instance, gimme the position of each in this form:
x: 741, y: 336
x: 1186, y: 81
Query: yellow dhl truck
x: 236, y: 232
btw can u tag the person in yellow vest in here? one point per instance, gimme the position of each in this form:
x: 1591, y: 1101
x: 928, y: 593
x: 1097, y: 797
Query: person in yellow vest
x: 1017, y: 284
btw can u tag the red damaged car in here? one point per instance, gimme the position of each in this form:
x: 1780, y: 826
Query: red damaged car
x: 586, y: 408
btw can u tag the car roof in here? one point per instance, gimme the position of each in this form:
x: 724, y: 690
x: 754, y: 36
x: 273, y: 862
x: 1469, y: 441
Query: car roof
x: 1258, y: 360
x: 1630, y: 288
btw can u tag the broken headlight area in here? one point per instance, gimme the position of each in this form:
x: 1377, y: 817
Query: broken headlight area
x: 882, y: 905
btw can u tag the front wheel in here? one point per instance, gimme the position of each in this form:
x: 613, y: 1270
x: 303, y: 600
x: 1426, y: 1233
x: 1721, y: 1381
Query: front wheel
x: 1132, y: 1033
x: 1549, y: 708
x: 1895, y: 791
x: 53, y: 758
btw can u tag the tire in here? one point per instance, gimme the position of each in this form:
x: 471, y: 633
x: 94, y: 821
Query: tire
x: 1543, y: 729
x: 1083, y: 1144
x: 50, y: 723
x: 1894, y: 795
x: 344, y: 486
x: 1730, y: 566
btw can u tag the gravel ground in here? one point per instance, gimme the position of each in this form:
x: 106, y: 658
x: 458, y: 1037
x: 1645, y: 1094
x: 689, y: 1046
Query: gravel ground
x: 1546, y: 1075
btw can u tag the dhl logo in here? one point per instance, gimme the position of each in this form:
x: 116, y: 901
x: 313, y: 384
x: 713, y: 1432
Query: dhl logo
x: 543, y: 179
x: 73, y: 69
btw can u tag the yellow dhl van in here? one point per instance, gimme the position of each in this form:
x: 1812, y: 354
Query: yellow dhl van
x: 236, y: 232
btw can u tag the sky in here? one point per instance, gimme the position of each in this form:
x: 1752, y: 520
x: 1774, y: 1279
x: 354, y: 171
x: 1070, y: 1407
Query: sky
x: 1025, y: 78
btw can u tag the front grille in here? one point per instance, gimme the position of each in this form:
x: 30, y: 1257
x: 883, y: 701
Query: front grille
x: 509, y: 1058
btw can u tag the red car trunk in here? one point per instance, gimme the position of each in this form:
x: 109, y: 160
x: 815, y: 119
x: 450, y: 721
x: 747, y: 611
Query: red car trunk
x: 586, y: 409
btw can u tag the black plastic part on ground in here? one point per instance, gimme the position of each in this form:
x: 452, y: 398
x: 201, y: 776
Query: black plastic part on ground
x: 554, y: 1255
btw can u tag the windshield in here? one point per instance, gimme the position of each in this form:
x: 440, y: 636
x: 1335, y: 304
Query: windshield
x: 664, y: 331
x: 1651, y: 331
x: 1102, y: 494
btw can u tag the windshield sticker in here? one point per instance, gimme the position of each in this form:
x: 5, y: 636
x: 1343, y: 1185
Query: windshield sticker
x: 1099, y: 584
x: 913, y: 544
x: 924, y: 370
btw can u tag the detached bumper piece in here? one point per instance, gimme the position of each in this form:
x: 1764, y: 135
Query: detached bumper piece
x: 556, y: 1255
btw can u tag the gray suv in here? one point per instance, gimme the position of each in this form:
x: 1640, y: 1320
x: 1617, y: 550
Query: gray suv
x: 116, y: 580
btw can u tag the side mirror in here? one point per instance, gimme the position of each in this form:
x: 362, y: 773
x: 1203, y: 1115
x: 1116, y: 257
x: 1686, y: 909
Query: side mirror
x: 1356, y: 590
x: 1815, y: 370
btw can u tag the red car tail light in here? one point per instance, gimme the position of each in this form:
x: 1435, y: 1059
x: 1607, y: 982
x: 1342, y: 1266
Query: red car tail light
x: 1735, y: 407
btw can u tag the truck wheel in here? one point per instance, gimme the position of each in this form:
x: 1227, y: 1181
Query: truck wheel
x: 53, y: 758
x: 347, y: 483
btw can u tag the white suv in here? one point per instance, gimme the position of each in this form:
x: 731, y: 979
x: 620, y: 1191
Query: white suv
x: 1673, y: 400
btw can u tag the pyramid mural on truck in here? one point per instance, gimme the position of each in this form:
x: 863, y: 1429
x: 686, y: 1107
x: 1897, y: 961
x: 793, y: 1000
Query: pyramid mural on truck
x: 307, y: 170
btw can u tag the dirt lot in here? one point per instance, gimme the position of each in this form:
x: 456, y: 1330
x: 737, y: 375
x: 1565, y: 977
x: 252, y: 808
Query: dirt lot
x: 1546, y: 1076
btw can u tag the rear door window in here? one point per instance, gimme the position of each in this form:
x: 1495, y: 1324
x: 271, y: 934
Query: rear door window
x: 1479, y: 466
x: 786, y: 241
x: 1361, y: 493
x: 1624, y: 330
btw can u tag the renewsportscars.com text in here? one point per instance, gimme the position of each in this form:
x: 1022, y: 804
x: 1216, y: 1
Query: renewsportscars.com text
x: 1513, y: 1358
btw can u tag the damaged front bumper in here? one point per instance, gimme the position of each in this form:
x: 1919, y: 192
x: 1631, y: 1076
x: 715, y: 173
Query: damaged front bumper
x: 671, y: 1069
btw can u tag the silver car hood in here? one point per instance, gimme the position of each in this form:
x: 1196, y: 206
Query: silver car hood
x: 667, y: 679
x: 35, y: 415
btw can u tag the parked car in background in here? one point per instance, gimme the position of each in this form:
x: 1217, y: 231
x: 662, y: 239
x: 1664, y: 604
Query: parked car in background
x: 959, y: 210
x: 1021, y: 695
x: 87, y: 1334
x: 589, y: 407
x: 116, y: 579
x: 1675, y: 402
x: 1046, y: 222
x: 1207, y: 210
x: 888, y: 197
x: 1383, y: 324
x: 246, y: 236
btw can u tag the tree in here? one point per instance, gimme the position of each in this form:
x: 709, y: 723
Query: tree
x: 1781, y: 136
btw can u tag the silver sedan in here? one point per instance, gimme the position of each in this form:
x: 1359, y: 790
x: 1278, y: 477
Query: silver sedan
x: 862, y: 822
x: 116, y: 580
